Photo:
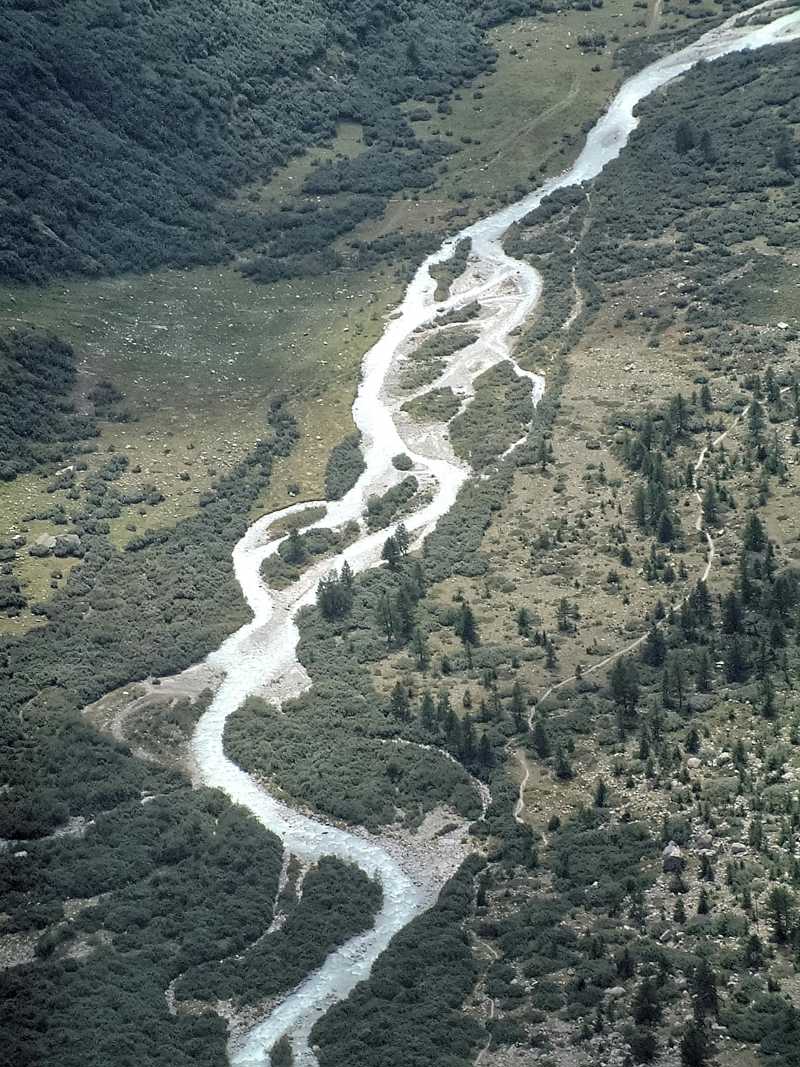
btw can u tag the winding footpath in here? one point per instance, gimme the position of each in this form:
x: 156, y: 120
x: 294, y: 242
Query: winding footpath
x: 261, y: 657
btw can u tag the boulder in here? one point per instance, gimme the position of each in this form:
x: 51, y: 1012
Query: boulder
x: 672, y: 859
x: 701, y: 701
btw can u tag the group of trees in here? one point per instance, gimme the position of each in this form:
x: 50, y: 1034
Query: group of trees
x: 38, y: 421
x: 175, y: 894
x: 410, y: 1008
x: 338, y: 901
x: 646, y: 452
x: 199, y: 99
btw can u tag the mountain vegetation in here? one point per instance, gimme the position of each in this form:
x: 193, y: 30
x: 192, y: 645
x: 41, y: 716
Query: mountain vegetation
x: 129, y: 126
x: 603, y: 629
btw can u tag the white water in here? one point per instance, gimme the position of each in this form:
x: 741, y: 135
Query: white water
x: 261, y: 656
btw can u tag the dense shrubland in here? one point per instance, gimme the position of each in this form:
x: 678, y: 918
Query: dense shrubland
x: 198, y: 100
x: 446, y: 272
x: 38, y: 422
x: 176, y: 895
x: 383, y: 509
x: 498, y: 415
x: 435, y: 405
x: 338, y: 901
x: 345, y: 466
x: 409, y: 1009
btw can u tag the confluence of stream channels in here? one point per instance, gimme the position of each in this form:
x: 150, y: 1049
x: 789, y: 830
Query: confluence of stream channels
x: 261, y: 657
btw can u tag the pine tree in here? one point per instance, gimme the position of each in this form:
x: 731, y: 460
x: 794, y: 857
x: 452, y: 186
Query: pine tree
x: 385, y: 618
x: 706, y: 870
x: 695, y: 1046
x: 624, y: 684
x: 785, y: 152
x: 402, y: 540
x: 427, y: 713
x: 420, y: 648
x: 399, y: 705
x: 404, y: 610
x: 704, y: 988
x: 467, y: 630
x: 654, y: 649
x: 295, y: 548
x: 710, y: 506
x: 562, y: 766
x: 646, y: 1005
x: 541, y: 742
x: 485, y: 752
x: 346, y: 577
x: 684, y: 137
x: 754, y: 953
x: 781, y: 908
x: 768, y: 709
x: 468, y: 741
x: 753, y: 538
x: 703, y: 669
x: 523, y: 622
x: 737, y: 665
x: 626, y: 965
x: 675, y: 680
x: 732, y: 614
x: 640, y: 507
x: 665, y: 529
x: 519, y: 706
x: 391, y: 553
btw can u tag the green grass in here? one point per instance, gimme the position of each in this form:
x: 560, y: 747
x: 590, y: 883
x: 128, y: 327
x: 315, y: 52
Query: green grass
x: 198, y: 354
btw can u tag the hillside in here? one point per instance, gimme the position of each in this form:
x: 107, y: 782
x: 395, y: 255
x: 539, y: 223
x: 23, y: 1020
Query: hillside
x: 127, y: 125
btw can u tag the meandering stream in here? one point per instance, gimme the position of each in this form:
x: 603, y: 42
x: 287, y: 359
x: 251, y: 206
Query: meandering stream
x: 261, y: 657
